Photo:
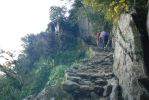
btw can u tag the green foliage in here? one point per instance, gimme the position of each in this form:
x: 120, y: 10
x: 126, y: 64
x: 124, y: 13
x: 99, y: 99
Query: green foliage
x: 36, y: 46
x: 73, y: 17
x: 90, y: 53
x: 57, y: 75
x: 41, y: 74
x: 63, y: 60
x: 57, y: 13
x: 7, y: 89
x: 109, y: 9
x: 93, y: 10
x: 38, y: 66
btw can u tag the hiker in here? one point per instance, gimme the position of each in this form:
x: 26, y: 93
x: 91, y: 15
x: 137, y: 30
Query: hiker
x: 97, y: 38
x: 103, y: 39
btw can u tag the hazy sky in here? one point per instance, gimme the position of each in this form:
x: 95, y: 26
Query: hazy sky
x: 19, y: 17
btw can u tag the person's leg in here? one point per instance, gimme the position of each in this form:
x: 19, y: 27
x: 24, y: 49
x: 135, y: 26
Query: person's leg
x: 101, y: 42
x: 105, y: 41
x: 97, y: 42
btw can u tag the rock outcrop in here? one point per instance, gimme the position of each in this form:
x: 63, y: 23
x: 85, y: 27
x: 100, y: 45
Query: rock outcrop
x: 50, y: 93
x: 128, y: 60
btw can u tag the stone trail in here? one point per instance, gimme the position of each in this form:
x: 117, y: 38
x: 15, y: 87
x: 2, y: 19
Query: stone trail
x: 92, y: 78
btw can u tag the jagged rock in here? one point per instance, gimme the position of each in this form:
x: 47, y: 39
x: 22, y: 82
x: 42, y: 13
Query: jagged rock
x: 115, y: 93
x: 91, y: 79
x: 29, y: 97
x: 96, y: 76
x: 101, y: 82
x: 85, y: 82
x: 92, y: 76
x: 99, y: 90
x: 75, y: 79
x: 84, y: 75
x: 85, y: 90
x: 108, y: 90
x: 52, y: 93
x: 109, y: 75
x: 70, y: 86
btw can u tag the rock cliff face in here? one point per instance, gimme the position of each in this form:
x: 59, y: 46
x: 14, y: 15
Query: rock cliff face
x: 128, y: 60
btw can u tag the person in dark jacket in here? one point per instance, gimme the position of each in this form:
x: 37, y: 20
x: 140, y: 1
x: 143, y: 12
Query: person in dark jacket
x: 97, y: 38
x: 103, y: 39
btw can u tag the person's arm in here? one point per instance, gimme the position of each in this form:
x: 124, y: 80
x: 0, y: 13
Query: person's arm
x: 99, y: 38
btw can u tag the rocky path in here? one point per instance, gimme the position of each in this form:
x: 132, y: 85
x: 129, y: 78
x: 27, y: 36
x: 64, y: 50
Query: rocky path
x: 92, y: 78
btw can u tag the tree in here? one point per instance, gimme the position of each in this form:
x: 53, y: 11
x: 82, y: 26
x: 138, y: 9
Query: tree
x: 10, y: 82
x: 57, y: 13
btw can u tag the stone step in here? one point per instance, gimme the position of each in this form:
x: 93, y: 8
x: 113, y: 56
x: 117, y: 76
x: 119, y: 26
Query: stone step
x: 92, y: 77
